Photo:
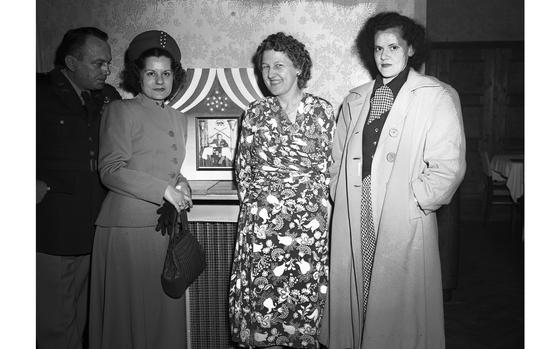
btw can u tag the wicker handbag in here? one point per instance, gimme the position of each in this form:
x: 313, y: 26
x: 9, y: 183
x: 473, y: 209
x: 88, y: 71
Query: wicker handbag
x: 184, y: 261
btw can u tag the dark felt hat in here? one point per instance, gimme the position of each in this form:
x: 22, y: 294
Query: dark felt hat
x: 153, y: 39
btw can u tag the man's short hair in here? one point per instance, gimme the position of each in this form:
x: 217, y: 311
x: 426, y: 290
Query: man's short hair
x: 73, y: 41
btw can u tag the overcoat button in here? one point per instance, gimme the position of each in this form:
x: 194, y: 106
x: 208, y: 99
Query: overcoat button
x: 171, y: 134
x: 175, y: 161
x: 393, y: 132
x: 174, y: 147
x: 391, y: 157
x: 91, y: 152
x: 61, y: 122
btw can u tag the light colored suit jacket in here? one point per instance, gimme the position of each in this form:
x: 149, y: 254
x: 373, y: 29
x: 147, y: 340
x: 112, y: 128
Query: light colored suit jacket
x: 142, y: 148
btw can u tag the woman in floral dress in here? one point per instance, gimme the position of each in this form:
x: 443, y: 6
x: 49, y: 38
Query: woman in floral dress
x: 280, y: 267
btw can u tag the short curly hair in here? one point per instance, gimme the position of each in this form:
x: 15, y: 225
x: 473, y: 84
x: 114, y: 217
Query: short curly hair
x: 130, y: 75
x: 413, y: 33
x: 295, y: 50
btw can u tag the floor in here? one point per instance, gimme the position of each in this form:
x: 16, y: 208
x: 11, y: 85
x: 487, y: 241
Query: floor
x: 487, y: 308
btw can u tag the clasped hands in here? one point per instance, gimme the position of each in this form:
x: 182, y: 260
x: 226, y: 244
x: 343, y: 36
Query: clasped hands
x: 176, y: 199
x: 179, y: 197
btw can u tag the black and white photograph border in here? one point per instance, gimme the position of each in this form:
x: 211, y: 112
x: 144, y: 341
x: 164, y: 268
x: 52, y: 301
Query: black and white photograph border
x: 18, y: 253
x: 216, y: 142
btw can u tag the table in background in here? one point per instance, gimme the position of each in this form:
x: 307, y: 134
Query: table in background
x: 509, y: 167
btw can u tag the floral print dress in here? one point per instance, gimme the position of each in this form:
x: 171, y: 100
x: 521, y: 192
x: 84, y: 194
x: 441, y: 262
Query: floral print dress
x: 280, y: 269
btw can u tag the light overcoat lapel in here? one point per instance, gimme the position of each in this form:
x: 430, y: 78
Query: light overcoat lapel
x: 388, y: 149
x: 359, y: 109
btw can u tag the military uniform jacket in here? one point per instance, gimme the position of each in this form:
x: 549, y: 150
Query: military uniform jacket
x: 67, y: 150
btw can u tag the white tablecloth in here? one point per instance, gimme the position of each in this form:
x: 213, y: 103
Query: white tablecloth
x: 509, y: 167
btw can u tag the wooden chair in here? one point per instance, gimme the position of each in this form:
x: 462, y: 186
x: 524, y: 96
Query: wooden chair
x: 496, y: 192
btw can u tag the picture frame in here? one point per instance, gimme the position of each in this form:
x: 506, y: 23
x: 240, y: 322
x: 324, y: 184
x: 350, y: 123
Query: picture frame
x: 216, y: 142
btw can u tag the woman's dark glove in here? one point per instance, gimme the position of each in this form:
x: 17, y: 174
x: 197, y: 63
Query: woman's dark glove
x: 167, y: 218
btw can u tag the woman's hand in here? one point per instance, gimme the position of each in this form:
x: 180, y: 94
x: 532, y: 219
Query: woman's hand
x: 177, y: 198
x: 185, y: 188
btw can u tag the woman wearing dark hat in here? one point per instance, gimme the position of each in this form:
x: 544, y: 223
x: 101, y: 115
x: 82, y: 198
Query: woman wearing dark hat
x: 398, y: 155
x: 280, y: 269
x: 142, y: 147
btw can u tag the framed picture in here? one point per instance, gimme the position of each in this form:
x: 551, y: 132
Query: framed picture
x: 216, y: 140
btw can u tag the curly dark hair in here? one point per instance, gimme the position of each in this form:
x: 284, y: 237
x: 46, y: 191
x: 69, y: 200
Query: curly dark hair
x: 413, y: 33
x: 73, y: 41
x: 130, y: 75
x: 295, y: 50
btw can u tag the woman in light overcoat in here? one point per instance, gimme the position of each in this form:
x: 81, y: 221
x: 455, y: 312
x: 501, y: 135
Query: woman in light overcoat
x: 385, y: 282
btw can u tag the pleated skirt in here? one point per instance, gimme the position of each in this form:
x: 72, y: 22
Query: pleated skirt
x: 128, y: 308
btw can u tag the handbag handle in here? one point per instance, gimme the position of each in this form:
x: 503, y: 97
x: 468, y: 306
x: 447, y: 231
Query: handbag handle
x: 176, y: 229
x: 184, y: 218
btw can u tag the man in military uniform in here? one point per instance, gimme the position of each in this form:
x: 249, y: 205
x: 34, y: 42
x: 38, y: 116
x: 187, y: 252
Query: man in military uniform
x: 70, y: 99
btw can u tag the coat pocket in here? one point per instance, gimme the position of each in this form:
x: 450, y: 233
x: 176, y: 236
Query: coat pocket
x: 414, y: 210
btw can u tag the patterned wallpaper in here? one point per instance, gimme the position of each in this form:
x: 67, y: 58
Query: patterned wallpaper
x: 217, y: 33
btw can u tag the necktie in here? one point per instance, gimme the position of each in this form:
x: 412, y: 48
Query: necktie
x: 86, y: 97
x: 88, y: 104
x: 381, y: 101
